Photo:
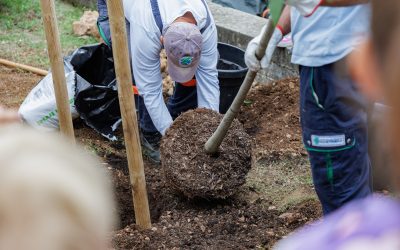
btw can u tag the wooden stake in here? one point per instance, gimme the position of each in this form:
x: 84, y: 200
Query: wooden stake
x: 128, y: 112
x: 218, y: 136
x: 57, y: 67
x: 11, y: 64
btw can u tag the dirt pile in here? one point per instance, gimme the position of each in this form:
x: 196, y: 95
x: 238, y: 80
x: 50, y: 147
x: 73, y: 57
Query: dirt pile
x: 232, y: 225
x: 15, y: 85
x: 271, y: 115
x: 249, y: 220
x: 190, y: 170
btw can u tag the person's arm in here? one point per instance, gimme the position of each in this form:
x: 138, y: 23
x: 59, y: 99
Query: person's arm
x: 207, y: 73
x: 342, y: 3
x: 284, y: 21
x: 145, y: 47
x: 282, y: 29
x: 308, y: 7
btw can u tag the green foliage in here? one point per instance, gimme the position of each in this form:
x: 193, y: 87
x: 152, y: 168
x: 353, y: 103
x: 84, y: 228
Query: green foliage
x: 22, y: 37
x: 19, y: 13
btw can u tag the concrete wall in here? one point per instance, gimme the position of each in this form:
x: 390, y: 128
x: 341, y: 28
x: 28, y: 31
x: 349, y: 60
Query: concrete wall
x: 238, y: 28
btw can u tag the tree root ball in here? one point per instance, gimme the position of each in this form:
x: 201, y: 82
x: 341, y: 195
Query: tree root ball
x: 190, y: 170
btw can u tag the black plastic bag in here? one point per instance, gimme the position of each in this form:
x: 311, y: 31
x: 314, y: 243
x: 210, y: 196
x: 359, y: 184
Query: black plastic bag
x: 96, y: 96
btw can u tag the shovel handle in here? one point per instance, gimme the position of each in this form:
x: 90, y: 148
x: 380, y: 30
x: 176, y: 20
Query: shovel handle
x: 15, y: 65
x: 218, y: 136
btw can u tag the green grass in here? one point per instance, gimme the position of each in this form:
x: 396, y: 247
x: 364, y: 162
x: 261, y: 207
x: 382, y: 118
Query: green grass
x: 22, y: 37
x: 284, y: 182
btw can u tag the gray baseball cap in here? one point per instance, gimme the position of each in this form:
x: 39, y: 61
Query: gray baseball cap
x: 183, y: 43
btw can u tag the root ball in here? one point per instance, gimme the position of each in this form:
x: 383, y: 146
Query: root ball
x: 190, y: 170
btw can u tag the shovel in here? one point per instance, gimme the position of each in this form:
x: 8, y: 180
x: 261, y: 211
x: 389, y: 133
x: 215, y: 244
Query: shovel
x: 218, y: 136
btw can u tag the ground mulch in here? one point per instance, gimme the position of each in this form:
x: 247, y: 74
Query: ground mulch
x: 270, y: 117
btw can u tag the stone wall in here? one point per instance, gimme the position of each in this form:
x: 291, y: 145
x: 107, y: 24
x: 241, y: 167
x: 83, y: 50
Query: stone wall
x: 238, y: 28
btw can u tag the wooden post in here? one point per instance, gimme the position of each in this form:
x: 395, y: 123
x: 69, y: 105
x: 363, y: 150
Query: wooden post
x: 128, y: 112
x: 57, y: 67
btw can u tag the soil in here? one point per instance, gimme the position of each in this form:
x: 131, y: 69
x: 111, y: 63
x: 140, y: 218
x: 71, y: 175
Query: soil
x: 14, y: 86
x: 271, y: 116
x: 250, y: 219
x: 231, y: 225
x: 190, y: 170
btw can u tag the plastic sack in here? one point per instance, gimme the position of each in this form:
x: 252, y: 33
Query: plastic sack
x: 39, y: 108
x: 96, y: 95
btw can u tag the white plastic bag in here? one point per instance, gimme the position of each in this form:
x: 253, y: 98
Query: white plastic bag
x: 39, y: 108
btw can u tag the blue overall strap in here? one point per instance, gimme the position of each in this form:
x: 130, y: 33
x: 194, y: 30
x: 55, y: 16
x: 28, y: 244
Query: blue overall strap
x: 208, y: 22
x: 157, y: 14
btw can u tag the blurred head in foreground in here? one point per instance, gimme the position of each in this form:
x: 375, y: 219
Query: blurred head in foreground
x: 376, y: 66
x: 53, y: 196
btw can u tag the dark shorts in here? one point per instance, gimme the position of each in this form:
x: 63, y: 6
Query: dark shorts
x: 334, y: 124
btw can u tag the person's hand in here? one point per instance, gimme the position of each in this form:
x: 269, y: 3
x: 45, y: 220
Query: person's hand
x: 8, y: 116
x: 305, y: 7
x: 250, y: 56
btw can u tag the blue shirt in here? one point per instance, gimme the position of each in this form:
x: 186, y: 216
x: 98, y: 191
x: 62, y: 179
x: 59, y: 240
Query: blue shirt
x: 329, y: 34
